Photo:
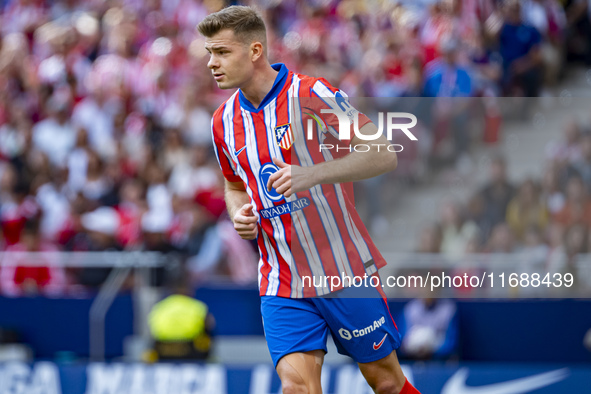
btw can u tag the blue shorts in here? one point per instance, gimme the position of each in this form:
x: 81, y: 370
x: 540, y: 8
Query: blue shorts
x: 362, y: 328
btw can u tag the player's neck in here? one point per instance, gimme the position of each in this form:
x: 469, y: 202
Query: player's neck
x: 260, y: 84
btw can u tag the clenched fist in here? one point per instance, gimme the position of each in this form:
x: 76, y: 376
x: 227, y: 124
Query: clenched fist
x: 245, y: 222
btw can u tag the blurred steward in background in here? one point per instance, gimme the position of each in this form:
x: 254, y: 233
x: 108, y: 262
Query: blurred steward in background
x: 181, y: 328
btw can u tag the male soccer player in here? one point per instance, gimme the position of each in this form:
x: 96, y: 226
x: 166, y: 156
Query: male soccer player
x: 289, y: 195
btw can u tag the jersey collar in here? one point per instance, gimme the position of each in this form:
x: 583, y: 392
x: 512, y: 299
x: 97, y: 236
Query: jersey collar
x: 277, y: 86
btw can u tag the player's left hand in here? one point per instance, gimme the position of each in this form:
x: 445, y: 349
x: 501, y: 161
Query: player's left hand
x: 289, y: 179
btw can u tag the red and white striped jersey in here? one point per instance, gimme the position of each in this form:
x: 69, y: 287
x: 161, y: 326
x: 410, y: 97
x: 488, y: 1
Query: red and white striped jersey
x: 316, y: 233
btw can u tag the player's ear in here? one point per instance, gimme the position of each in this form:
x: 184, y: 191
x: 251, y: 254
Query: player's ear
x: 256, y: 51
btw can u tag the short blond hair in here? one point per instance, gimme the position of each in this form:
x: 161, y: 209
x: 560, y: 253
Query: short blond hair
x: 246, y: 23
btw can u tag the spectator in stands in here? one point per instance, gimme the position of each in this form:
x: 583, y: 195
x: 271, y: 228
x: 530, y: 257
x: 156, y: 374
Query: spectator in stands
x: 24, y: 16
x: 15, y: 132
x: 155, y: 226
x: 568, y: 148
x: 577, y: 208
x: 100, y: 227
x: 456, y: 232
x: 526, y: 210
x: 501, y: 240
x: 77, y: 163
x: 549, y: 19
x: 131, y: 208
x: 445, y: 77
x: 194, y: 176
x: 557, y: 252
x: 519, y: 45
x: 55, y: 136
x: 487, y: 67
x: 430, y: 239
x: 552, y: 195
x: 46, y: 276
x: 534, y: 251
x: 158, y: 196
x: 496, y: 194
x: 578, y: 14
x: 16, y: 205
x: 575, y: 242
x: 174, y: 153
x: 475, y: 213
x: 196, y: 115
x: 97, y: 184
x: 582, y: 164
x: 429, y: 329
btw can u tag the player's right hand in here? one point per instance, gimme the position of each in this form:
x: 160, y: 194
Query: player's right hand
x: 245, y: 222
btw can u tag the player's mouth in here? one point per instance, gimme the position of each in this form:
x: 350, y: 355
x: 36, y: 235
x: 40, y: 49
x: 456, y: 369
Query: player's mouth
x: 218, y: 76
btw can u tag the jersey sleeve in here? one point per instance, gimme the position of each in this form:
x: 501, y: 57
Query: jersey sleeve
x: 221, y: 153
x: 330, y: 97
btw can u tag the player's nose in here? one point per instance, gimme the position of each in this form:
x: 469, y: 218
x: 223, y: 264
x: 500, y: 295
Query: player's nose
x: 212, y: 63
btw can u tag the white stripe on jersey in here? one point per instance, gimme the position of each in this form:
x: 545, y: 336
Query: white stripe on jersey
x: 300, y: 226
x: 326, y: 96
x: 232, y: 164
x: 255, y: 166
x: 270, y: 116
x: 326, y: 216
x: 217, y: 153
x: 260, y: 267
x: 352, y: 229
x: 299, y: 222
x: 278, y: 227
x: 229, y: 138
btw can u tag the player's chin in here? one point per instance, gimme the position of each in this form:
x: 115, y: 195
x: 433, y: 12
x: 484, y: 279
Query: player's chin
x: 225, y: 85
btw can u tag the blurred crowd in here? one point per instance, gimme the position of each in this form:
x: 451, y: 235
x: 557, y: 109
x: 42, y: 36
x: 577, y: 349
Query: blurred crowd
x: 105, y: 109
x: 432, y: 47
x: 105, y: 140
x: 547, y: 220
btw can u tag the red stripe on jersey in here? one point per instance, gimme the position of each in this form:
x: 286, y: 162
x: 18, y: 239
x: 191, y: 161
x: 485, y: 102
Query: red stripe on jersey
x: 218, y: 138
x: 240, y: 130
x: 320, y: 240
x: 312, y: 216
x: 298, y: 253
x: 353, y: 254
x: 239, y: 142
x: 348, y: 192
x: 265, y: 157
x: 282, y: 113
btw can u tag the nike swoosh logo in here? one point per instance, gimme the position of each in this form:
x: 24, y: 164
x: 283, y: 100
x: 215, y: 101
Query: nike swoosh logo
x: 240, y: 150
x: 379, y: 345
x: 457, y: 383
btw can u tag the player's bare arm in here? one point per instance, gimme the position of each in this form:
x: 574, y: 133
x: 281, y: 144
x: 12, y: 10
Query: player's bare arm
x: 240, y: 210
x: 355, y: 166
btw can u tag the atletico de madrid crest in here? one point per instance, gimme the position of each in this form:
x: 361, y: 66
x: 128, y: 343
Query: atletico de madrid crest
x: 284, y: 136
